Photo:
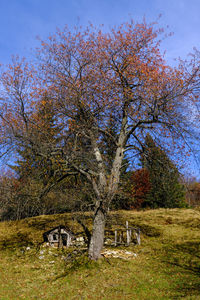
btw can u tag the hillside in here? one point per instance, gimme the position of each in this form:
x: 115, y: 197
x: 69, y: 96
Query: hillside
x: 165, y: 266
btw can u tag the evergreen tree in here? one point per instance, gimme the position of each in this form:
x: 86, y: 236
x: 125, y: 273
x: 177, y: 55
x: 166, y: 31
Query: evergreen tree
x: 166, y: 188
x: 39, y: 188
x: 33, y: 171
x: 42, y: 134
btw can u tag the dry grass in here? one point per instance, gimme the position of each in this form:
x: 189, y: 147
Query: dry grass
x: 167, y: 265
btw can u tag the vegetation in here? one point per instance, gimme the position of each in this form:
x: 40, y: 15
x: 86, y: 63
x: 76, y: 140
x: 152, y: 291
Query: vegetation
x: 192, y: 191
x: 167, y: 264
x: 140, y: 187
x: 58, y: 114
x: 158, y: 183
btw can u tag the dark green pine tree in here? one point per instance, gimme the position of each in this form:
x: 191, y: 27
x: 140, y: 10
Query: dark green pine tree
x: 43, y: 136
x: 166, y: 189
x: 34, y: 171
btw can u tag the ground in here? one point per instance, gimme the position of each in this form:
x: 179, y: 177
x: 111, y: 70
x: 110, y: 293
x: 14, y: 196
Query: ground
x: 165, y: 266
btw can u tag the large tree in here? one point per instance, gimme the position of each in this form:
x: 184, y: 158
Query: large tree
x: 91, y: 78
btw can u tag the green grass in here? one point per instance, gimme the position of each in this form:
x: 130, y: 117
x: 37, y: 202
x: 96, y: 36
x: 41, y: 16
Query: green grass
x: 167, y: 265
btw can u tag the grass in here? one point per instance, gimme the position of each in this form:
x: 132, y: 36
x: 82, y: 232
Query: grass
x: 167, y: 265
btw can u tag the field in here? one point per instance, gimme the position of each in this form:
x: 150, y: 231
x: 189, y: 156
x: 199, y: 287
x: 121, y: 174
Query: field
x: 165, y: 266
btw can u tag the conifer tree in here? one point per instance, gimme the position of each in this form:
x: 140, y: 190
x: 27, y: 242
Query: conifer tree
x: 33, y: 171
x: 166, y: 188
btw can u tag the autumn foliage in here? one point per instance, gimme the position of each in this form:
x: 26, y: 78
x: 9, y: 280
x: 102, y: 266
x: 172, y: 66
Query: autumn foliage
x: 140, y: 187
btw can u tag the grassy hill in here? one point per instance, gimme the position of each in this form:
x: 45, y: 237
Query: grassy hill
x: 166, y: 264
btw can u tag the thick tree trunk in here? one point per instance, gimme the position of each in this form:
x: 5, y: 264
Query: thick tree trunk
x: 97, y: 239
x: 105, y: 191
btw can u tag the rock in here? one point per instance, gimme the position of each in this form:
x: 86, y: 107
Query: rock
x: 80, y: 239
x: 52, y: 262
x: 123, y: 254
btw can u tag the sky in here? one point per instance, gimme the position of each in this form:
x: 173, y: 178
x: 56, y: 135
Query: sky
x: 21, y: 21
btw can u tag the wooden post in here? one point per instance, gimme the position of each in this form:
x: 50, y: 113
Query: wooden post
x: 115, y: 237
x: 127, y: 234
x: 137, y: 233
x: 68, y: 240
x: 120, y: 237
x: 60, y: 244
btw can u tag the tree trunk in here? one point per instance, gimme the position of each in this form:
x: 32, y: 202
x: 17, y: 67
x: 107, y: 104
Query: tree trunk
x: 97, y: 239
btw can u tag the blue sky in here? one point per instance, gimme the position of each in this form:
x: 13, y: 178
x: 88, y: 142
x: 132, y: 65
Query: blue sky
x: 22, y: 20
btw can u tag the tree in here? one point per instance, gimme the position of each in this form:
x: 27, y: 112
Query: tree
x: 37, y: 174
x: 192, y: 186
x: 165, y: 181
x: 92, y: 77
x: 7, y: 181
x: 141, y: 187
x: 34, y: 171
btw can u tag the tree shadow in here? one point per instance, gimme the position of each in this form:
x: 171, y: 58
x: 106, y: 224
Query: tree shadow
x: 76, y: 260
x: 16, y: 240
x: 186, y: 257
